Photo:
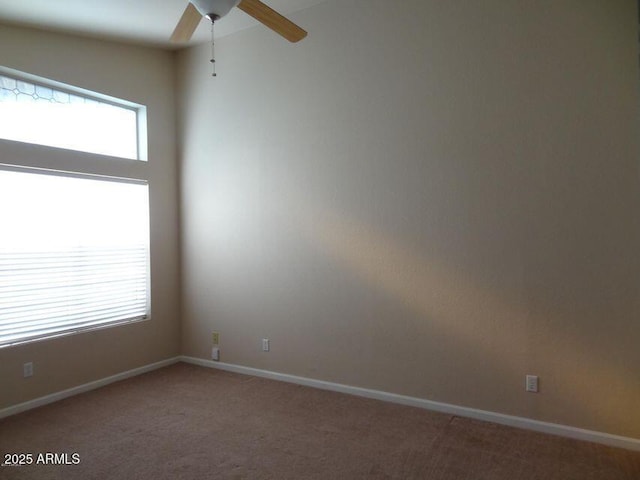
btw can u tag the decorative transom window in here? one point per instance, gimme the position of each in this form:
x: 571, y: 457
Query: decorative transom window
x: 74, y: 243
x: 35, y: 113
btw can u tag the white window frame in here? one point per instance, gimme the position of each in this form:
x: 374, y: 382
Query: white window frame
x: 34, y: 158
x: 141, y: 110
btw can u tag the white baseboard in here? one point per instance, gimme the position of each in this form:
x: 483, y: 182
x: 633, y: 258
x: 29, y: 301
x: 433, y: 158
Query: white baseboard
x: 54, y: 397
x: 510, y: 420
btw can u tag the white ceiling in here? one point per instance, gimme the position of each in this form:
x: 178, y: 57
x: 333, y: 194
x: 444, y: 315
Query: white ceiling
x: 148, y: 22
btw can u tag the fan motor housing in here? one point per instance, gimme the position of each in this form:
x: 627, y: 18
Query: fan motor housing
x: 214, y: 9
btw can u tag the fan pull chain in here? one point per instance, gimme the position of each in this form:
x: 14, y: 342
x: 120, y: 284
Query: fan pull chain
x: 213, y: 53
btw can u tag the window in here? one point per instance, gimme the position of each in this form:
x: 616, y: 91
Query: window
x: 35, y: 113
x: 74, y: 245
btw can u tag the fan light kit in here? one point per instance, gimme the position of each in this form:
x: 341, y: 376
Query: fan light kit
x: 216, y: 9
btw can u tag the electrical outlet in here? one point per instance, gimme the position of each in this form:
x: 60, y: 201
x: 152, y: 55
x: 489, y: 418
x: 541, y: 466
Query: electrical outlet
x: 215, y: 354
x: 265, y: 344
x: 27, y: 369
x: 216, y: 338
x: 532, y: 383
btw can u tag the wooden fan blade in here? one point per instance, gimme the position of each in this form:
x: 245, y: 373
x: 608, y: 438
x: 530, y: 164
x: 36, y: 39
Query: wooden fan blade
x: 187, y: 24
x: 272, y: 19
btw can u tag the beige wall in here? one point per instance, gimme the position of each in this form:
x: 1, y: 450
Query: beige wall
x: 429, y: 198
x: 144, y: 76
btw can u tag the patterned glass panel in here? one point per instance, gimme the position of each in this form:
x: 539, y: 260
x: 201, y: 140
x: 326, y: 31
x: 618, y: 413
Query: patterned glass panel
x: 43, y: 115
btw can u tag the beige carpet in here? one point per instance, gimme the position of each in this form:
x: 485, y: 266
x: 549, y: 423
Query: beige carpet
x: 188, y: 422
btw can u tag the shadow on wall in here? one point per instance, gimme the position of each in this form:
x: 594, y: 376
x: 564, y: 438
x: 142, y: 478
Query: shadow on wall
x: 502, y: 329
x: 465, y: 311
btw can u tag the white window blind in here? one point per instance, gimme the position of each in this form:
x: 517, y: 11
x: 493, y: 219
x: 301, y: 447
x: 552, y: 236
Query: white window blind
x: 74, y: 254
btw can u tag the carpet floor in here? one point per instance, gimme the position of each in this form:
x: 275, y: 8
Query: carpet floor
x: 189, y: 422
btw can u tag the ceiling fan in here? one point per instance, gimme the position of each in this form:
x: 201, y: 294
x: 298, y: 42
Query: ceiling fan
x: 216, y: 9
